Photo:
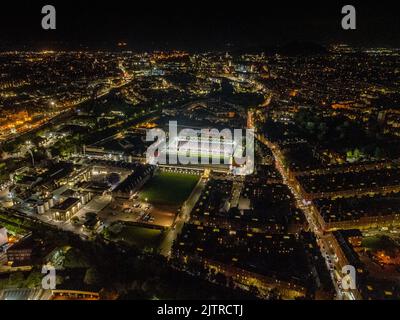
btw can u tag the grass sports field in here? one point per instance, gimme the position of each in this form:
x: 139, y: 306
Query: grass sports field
x: 169, y: 188
x: 375, y: 243
x: 140, y: 237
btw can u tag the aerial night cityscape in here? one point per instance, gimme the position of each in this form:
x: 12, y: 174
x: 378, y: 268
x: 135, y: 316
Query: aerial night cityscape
x: 199, y: 153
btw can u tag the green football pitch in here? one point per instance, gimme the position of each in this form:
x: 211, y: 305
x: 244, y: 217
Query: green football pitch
x: 169, y: 188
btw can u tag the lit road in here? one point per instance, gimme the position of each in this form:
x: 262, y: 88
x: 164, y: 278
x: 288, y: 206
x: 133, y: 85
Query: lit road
x: 238, y: 183
x: 183, y: 216
x: 66, y: 112
x: 327, y: 250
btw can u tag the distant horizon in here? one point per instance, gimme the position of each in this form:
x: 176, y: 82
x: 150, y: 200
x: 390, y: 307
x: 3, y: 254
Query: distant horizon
x: 268, y: 49
x: 203, y: 27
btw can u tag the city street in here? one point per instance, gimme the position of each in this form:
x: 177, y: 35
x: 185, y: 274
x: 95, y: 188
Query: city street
x: 326, y: 248
x: 182, y: 217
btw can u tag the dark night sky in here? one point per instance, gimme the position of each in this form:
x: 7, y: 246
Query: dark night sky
x: 195, y: 24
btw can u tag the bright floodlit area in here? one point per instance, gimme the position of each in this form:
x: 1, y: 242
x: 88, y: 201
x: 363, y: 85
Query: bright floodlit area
x: 157, y: 203
x: 142, y: 220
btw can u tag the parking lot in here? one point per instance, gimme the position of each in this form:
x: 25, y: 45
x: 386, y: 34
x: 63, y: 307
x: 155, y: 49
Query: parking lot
x: 135, y: 210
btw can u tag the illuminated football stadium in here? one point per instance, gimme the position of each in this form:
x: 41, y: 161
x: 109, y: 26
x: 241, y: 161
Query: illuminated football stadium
x: 197, y: 147
x: 207, y: 147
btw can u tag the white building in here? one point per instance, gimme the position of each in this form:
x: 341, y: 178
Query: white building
x: 3, y: 236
